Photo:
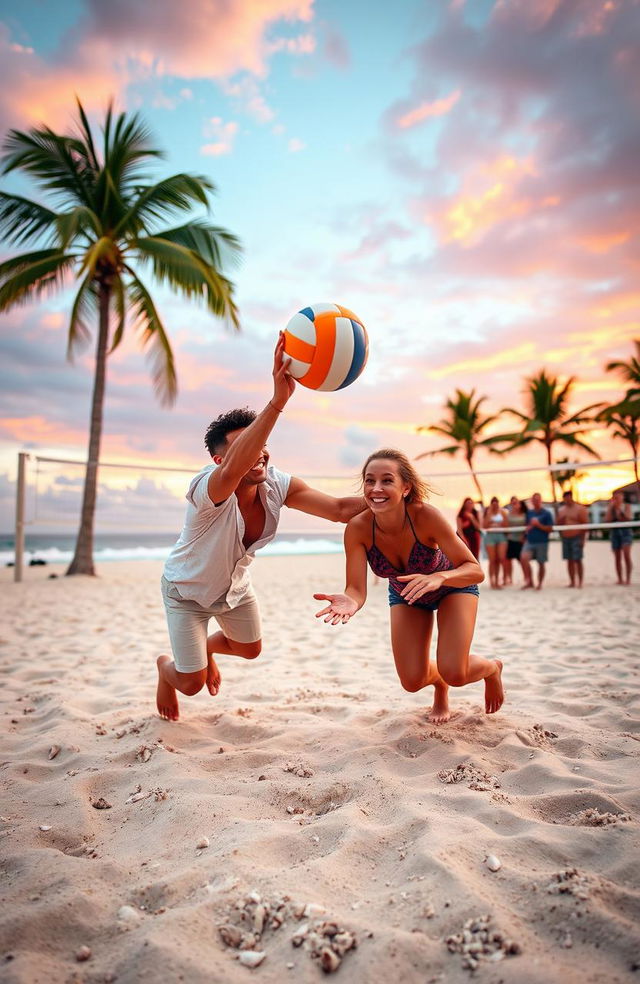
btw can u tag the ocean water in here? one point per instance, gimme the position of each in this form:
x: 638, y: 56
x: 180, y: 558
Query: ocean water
x: 57, y: 548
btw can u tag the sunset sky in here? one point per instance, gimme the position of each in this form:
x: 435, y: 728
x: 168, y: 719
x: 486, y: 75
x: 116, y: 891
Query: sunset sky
x: 463, y: 176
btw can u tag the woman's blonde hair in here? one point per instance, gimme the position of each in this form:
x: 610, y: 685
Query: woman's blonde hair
x: 418, y: 488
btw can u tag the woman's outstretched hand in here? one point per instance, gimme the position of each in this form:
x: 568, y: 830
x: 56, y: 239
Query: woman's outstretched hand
x: 340, y: 608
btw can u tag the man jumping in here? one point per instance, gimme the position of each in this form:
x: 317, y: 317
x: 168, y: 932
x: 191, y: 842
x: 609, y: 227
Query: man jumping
x: 233, y: 510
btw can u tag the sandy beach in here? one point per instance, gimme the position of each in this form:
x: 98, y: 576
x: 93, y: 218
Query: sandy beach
x: 312, y: 802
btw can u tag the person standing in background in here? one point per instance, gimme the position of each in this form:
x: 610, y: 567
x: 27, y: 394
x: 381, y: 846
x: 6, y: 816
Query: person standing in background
x: 617, y: 512
x: 495, y: 523
x: 468, y: 526
x: 516, y: 516
x: 536, y: 544
x: 571, y: 513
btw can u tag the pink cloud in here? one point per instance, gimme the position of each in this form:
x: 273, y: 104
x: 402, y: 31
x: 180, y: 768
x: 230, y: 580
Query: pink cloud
x: 428, y: 110
x: 115, y: 44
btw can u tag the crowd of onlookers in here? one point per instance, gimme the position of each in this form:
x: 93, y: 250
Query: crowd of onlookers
x: 520, y: 532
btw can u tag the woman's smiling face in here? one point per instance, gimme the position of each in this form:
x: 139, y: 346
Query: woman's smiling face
x: 383, y: 486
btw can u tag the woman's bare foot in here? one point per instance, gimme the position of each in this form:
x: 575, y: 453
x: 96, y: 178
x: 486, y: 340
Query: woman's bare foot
x: 440, y: 713
x: 213, y: 676
x: 493, y: 690
x: 166, y: 700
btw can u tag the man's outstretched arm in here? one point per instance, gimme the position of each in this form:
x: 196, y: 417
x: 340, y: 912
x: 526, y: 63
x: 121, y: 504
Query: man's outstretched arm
x: 302, y: 497
x: 243, y: 452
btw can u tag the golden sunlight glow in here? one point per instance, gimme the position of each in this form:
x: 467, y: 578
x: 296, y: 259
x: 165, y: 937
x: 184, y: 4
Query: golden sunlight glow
x: 488, y: 197
x: 496, y: 360
x: 603, y: 242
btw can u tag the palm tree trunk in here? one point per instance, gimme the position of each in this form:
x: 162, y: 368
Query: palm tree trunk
x: 82, y: 562
x: 475, y: 479
x: 551, y: 476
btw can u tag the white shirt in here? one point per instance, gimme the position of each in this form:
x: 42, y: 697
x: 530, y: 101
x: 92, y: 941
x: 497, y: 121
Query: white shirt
x: 209, y: 562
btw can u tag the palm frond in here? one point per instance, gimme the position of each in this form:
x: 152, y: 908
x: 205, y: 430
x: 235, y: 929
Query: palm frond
x: 22, y: 220
x: 511, y: 442
x: 183, y: 270
x: 87, y: 138
x: 575, y: 441
x: 584, y: 416
x: 146, y: 317
x: 8, y: 268
x: 53, y: 160
x: 85, y: 305
x: 126, y: 148
x: 119, y: 302
x: 515, y: 413
x: 451, y: 450
x: 80, y: 221
x: 176, y: 193
x: 33, y: 278
x: 215, y: 245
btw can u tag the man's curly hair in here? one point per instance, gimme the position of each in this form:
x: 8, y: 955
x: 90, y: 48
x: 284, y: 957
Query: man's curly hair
x: 218, y: 429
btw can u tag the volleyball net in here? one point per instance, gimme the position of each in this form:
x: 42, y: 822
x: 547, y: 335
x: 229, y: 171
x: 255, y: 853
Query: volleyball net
x: 137, y: 498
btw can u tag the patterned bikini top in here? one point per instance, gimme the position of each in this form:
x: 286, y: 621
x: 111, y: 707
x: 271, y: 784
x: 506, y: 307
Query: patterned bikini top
x: 422, y: 560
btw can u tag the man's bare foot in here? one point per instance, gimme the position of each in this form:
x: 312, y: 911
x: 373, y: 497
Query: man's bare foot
x: 166, y: 700
x: 440, y: 713
x: 493, y: 690
x: 213, y: 676
x: 525, y: 586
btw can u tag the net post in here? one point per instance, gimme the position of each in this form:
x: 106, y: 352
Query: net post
x: 20, y: 501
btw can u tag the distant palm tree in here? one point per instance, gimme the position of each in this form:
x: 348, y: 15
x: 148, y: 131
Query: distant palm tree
x: 103, y: 217
x: 630, y: 371
x: 566, y: 478
x: 464, y: 426
x: 624, y: 417
x: 547, y: 420
x: 624, y: 421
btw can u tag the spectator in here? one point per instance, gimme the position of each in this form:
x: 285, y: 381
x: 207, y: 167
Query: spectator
x: 619, y: 511
x: 468, y: 526
x: 516, y: 516
x: 536, y: 544
x: 569, y: 514
x: 495, y: 522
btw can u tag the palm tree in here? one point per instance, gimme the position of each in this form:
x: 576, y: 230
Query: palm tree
x: 624, y: 417
x: 103, y: 218
x: 624, y: 420
x: 464, y: 426
x: 547, y: 420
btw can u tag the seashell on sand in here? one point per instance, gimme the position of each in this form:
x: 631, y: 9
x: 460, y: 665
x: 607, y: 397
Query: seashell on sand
x: 83, y: 953
x: 329, y: 961
x: 128, y: 915
x: 251, y: 958
x: 101, y: 804
x: 202, y: 843
x: 493, y: 863
x: 230, y: 935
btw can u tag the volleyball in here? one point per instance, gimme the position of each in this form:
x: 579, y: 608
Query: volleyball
x: 327, y: 345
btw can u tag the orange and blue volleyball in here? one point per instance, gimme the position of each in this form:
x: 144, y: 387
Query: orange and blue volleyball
x: 327, y: 345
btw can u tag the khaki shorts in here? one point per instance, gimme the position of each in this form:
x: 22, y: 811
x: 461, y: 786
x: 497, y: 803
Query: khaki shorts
x: 188, y: 624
